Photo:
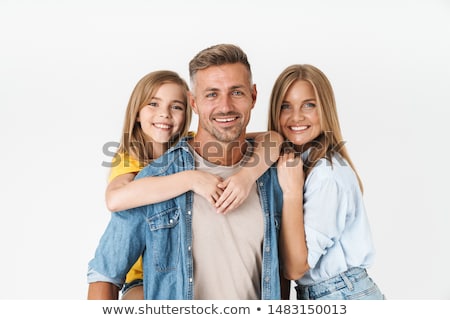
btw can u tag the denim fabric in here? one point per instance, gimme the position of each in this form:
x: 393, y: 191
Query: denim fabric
x: 353, y: 284
x: 130, y: 285
x: 162, y: 233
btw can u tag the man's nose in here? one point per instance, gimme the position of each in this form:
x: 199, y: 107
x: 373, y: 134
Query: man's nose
x: 225, y: 104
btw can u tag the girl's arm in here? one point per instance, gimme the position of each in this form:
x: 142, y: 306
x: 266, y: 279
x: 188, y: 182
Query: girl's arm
x: 293, y: 249
x: 123, y: 192
x: 237, y: 187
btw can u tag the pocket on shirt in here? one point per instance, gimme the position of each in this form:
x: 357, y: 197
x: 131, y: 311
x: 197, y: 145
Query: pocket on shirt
x: 165, y: 239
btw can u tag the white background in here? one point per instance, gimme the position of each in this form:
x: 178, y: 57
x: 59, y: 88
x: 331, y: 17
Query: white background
x: 67, y: 69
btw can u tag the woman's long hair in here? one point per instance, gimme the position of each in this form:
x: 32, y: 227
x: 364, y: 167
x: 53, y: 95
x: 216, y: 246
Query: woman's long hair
x: 330, y: 140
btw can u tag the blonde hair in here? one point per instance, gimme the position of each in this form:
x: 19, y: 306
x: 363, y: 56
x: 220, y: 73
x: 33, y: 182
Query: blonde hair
x: 133, y: 140
x: 330, y: 140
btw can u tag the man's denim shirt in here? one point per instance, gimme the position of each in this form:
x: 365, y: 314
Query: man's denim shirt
x: 162, y: 232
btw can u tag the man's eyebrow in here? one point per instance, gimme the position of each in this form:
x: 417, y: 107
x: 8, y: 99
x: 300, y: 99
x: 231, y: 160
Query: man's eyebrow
x: 211, y: 89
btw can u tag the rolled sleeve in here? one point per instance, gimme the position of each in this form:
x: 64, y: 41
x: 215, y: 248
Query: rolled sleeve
x: 120, y: 246
x: 317, y: 244
x: 325, y: 211
x: 94, y: 276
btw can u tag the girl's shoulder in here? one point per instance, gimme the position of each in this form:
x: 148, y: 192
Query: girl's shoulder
x: 124, y: 163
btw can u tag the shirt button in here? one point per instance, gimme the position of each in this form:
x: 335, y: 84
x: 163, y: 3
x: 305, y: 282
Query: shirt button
x: 261, y: 184
x: 267, y: 249
x: 171, y: 221
x: 189, y: 248
x: 266, y: 279
x: 189, y: 212
x: 190, y: 279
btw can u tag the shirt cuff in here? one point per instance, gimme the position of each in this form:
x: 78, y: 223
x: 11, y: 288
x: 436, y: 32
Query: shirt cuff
x: 94, y: 276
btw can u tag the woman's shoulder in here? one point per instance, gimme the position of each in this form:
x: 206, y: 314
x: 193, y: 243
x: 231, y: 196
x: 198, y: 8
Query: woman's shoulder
x: 336, y: 169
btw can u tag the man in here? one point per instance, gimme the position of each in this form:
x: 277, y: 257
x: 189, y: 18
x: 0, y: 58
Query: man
x: 189, y: 250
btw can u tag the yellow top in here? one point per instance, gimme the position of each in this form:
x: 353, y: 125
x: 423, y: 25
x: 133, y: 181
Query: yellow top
x: 123, y: 163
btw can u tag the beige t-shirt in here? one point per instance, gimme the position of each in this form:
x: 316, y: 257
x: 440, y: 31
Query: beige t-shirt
x: 227, y: 249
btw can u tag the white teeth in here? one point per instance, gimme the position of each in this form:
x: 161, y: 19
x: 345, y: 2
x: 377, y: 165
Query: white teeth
x: 225, y: 120
x: 161, y: 125
x: 299, y: 128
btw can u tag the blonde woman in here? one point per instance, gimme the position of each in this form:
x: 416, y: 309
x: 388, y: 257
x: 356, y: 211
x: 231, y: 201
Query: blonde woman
x: 325, y: 240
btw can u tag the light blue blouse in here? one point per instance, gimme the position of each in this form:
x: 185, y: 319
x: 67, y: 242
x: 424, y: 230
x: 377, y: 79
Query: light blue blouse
x: 337, y: 229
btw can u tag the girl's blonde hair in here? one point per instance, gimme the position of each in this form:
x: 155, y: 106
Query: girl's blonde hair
x: 330, y: 140
x: 133, y: 139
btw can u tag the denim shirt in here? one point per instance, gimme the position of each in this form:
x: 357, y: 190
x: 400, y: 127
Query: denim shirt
x: 162, y: 233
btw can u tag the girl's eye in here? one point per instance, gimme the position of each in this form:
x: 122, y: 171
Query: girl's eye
x: 153, y: 104
x: 178, y: 107
x: 284, y: 106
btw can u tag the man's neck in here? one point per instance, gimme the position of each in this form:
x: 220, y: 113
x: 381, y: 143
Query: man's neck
x: 218, y: 152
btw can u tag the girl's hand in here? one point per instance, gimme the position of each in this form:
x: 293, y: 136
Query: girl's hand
x: 236, y: 189
x: 206, y: 185
x: 290, y: 174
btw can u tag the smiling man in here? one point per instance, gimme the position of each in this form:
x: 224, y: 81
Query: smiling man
x: 189, y: 250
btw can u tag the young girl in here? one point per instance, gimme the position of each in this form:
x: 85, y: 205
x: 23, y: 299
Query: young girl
x: 156, y: 117
x: 325, y: 238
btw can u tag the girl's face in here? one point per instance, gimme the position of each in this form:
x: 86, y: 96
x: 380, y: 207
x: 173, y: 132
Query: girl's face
x: 164, y: 115
x: 299, y: 116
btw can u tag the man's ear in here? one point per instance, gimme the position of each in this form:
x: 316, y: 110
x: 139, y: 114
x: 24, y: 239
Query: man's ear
x: 192, y: 102
x: 254, y: 94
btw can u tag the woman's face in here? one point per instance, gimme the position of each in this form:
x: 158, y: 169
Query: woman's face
x: 299, y: 115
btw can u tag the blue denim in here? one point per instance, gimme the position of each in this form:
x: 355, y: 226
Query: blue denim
x: 130, y: 285
x: 162, y: 234
x: 353, y: 284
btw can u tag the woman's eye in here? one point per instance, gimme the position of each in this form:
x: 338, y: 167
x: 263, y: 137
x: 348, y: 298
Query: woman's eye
x: 284, y: 106
x: 153, y: 104
x: 309, y: 105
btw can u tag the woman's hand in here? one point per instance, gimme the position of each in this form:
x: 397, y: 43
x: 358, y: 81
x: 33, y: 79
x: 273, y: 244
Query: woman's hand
x: 290, y: 174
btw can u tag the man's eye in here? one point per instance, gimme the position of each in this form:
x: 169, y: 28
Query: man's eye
x: 237, y: 93
x: 211, y: 95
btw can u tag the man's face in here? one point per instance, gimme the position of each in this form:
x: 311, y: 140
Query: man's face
x: 223, y: 98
